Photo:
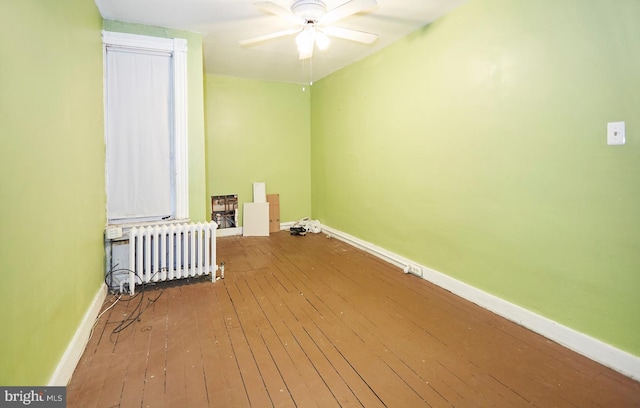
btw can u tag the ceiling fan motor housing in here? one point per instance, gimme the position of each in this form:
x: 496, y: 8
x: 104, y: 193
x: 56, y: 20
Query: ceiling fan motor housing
x: 309, y: 10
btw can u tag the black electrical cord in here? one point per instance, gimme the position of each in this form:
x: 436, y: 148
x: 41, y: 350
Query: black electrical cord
x: 137, y: 311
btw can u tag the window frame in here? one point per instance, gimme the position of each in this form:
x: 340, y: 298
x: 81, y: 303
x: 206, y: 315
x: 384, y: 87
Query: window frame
x: 180, y: 166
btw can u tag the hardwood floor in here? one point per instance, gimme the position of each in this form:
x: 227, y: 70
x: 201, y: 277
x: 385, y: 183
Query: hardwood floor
x: 313, y: 322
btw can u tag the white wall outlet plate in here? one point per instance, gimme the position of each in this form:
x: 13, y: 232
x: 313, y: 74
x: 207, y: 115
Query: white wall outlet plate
x: 113, y: 232
x: 615, y: 133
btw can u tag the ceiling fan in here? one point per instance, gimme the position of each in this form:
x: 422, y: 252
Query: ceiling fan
x: 313, y: 21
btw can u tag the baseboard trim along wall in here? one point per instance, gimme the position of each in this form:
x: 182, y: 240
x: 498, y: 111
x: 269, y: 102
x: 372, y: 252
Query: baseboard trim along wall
x: 67, y: 364
x: 605, y: 354
x: 230, y: 232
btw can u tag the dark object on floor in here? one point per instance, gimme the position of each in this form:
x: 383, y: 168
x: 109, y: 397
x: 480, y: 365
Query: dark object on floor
x: 298, y: 231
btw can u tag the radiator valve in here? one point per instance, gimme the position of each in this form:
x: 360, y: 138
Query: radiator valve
x: 222, y: 270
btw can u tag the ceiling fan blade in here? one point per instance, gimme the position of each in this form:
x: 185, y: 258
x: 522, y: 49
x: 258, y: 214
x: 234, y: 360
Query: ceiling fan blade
x: 346, y: 9
x: 266, y: 37
x: 348, y: 34
x: 273, y: 8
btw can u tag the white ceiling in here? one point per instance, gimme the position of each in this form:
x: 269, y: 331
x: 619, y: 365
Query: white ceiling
x: 224, y: 23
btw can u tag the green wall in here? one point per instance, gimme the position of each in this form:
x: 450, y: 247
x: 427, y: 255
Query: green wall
x: 259, y: 131
x: 52, y: 211
x: 195, y: 90
x: 477, y: 147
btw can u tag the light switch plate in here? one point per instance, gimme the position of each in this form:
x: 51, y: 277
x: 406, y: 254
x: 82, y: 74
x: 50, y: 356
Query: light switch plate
x: 615, y: 133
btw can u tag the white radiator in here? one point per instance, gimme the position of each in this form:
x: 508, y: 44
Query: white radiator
x: 171, y: 251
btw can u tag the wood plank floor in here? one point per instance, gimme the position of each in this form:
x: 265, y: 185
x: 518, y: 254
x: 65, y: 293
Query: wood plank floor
x: 313, y: 322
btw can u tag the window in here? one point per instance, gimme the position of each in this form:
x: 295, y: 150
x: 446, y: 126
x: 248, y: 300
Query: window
x: 145, y: 128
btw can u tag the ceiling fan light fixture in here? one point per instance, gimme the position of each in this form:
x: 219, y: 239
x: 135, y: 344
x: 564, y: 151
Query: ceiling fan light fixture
x: 305, y: 40
x: 322, y: 40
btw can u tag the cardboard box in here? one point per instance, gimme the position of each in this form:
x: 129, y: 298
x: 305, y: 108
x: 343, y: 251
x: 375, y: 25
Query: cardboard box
x: 274, y: 212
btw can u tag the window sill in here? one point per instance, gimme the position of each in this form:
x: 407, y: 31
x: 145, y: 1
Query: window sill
x: 126, y: 226
x: 131, y: 224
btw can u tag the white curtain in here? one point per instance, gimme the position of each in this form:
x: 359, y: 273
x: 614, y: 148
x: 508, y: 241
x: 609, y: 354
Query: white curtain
x: 139, y: 137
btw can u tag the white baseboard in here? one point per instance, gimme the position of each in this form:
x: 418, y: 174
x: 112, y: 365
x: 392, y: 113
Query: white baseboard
x: 605, y: 354
x: 67, y: 364
x: 230, y: 232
